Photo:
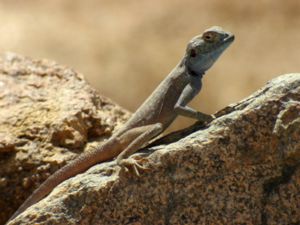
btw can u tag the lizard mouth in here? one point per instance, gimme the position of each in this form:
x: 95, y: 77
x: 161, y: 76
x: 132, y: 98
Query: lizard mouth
x: 229, y: 38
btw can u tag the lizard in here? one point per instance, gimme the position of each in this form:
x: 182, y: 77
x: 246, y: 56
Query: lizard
x: 159, y: 110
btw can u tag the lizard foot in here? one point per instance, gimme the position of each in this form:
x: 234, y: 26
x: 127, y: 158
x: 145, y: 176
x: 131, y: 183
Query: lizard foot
x: 205, y: 118
x: 132, y: 165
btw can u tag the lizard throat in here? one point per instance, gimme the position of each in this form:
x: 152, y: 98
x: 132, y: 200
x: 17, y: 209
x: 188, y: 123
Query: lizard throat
x: 194, y: 73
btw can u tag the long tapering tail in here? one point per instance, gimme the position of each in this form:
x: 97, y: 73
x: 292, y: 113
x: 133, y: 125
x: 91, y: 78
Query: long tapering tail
x: 105, y: 152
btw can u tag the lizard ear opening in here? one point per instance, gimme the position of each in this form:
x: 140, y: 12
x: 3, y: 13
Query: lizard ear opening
x: 193, y: 53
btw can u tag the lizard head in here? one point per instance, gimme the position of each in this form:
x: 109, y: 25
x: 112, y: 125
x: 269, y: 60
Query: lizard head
x: 203, y: 50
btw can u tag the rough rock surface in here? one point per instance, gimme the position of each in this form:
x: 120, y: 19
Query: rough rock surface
x: 244, y: 168
x: 48, y: 115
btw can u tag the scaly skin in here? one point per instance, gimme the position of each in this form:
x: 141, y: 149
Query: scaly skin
x: 167, y: 101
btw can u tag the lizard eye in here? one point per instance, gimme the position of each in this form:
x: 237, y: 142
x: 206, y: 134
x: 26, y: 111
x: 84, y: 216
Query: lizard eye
x: 209, y: 36
x: 193, y: 53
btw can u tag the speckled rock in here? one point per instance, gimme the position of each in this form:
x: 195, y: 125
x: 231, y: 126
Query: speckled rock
x: 242, y: 169
x: 48, y: 115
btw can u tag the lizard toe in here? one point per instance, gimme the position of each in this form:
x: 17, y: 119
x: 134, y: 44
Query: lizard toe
x: 132, y: 165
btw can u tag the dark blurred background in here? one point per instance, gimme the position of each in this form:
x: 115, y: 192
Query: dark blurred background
x: 125, y: 48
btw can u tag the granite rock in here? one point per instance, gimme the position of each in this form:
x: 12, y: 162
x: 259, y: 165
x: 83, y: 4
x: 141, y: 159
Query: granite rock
x: 243, y: 168
x: 48, y: 115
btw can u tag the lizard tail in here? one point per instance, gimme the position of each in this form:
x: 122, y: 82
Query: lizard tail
x: 102, y: 153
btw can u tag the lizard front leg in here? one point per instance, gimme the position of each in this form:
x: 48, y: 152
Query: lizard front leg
x: 188, y: 93
x: 192, y: 113
x: 143, y: 135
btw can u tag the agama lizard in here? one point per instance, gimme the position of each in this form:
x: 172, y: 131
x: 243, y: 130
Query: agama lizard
x: 168, y: 100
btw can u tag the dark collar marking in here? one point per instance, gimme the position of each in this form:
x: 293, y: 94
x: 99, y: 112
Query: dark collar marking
x: 195, y: 74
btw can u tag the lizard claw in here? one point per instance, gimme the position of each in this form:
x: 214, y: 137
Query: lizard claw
x: 132, y: 165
